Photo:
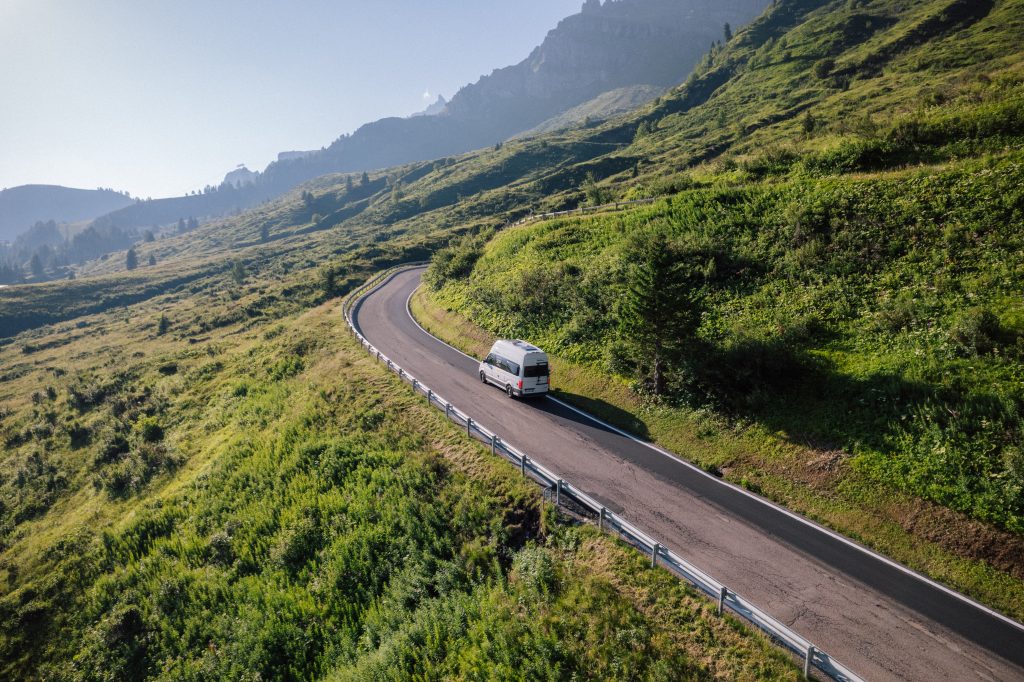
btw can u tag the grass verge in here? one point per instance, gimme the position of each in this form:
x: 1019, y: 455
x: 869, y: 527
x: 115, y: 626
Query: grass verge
x: 818, y: 484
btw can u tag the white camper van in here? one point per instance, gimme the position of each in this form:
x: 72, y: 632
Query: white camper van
x: 517, y: 367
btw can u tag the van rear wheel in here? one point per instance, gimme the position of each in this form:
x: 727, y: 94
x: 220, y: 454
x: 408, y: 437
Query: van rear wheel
x: 509, y: 391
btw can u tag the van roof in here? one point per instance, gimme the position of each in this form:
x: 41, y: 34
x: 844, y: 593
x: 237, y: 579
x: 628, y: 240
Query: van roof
x: 516, y: 346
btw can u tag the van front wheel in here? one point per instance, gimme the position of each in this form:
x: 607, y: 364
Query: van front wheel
x: 483, y: 378
x: 509, y: 391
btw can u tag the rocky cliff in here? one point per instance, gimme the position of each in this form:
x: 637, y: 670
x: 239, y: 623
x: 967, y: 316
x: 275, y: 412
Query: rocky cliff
x: 607, y: 46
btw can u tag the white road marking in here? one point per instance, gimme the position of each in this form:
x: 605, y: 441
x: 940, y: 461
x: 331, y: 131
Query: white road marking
x: 807, y: 522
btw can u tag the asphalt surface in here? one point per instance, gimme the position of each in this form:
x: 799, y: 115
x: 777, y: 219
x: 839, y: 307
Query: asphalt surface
x: 882, y: 621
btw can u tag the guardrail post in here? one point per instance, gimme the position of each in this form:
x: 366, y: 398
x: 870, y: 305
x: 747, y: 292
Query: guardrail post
x: 522, y: 464
x: 808, y: 659
x: 654, y: 554
x: 494, y: 443
x: 721, y: 599
x: 414, y: 382
x: 600, y: 519
x: 558, y: 492
x: 469, y: 426
x: 430, y: 396
x: 447, y: 411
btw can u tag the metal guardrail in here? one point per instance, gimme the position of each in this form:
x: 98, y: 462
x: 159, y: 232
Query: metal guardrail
x: 586, y: 209
x: 562, y: 491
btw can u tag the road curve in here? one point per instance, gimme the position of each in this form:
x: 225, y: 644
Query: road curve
x: 874, y: 616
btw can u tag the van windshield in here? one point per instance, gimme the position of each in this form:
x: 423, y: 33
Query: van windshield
x: 534, y: 371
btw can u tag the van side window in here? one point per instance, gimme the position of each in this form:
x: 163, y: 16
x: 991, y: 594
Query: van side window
x: 491, y: 360
x: 511, y: 367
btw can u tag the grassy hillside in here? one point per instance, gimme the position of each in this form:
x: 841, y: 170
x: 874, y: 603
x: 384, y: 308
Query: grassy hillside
x: 852, y: 281
x: 200, y: 475
x: 879, y: 317
x: 266, y: 502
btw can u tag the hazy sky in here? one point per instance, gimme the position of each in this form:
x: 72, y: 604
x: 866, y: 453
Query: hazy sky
x: 160, y: 97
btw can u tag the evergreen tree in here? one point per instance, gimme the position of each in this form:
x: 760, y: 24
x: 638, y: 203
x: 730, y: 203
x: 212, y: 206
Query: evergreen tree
x: 728, y: 32
x: 131, y: 259
x: 264, y: 233
x: 163, y: 325
x: 10, y: 273
x: 152, y: 259
x: 658, y: 311
x: 182, y: 227
x: 595, y: 194
x: 809, y: 123
x: 365, y: 180
x: 238, y: 271
x: 36, y: 266
x: 348, y: 183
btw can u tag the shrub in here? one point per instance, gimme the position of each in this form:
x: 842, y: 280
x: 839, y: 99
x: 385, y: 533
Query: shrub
x: 111, y: 448
x: 150, y: 430
x: 976, y: 331
x: 453, y: 262
x: 286, y: 368
x: 78, y: 434
x: 855, y: 155
x: 533, y: 570
x: 219, y: 549
x: 823, y: 67
x: 298, y: 543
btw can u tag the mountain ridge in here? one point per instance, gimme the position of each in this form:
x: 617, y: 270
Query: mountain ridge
x: 609, y: 46
x: 24, y: 205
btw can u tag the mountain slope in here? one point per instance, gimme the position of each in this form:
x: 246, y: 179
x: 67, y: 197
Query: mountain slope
x: 604, y: 106
x: 21, y: 207
x: 605, y: 47
x: 846, y: 226
x: 844, y: 178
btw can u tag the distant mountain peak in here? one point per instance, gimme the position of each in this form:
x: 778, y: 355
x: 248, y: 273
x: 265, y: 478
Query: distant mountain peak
x: 240, y: 177
x: 612, y: 47
x: 434, y: 109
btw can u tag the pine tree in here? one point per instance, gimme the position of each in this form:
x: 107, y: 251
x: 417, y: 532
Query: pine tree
x: 658, y: 312
x: 131, y: 259
x: 365, y: 180
x: 728, y: 32
x: 36, y: 266
x: 152, y: 260
x: 238, y: 271
x: 809, y: 123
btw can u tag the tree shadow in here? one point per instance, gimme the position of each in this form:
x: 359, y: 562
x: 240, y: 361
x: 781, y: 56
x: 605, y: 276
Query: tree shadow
x: 601, y: 409
x: 805, y: 398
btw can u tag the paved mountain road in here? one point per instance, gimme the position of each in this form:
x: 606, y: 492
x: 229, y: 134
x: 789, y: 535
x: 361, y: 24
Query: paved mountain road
x: 877, y: 618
